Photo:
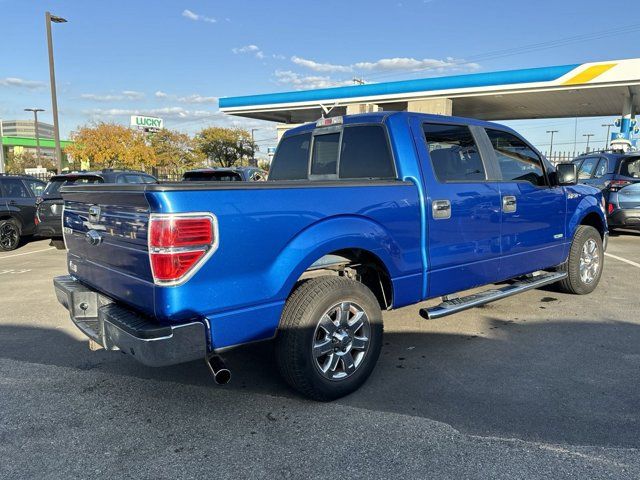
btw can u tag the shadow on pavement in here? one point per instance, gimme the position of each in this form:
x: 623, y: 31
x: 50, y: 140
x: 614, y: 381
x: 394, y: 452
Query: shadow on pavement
x: 555, y: 381
x: 624, y: 233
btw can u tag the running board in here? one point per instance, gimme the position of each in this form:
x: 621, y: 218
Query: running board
x: 463, y: 303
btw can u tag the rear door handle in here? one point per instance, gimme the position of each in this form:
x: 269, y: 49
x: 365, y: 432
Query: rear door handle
x: 509, y: 204
x: 441, y: 209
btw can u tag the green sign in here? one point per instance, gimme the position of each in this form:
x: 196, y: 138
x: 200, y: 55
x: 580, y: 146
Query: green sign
x: 146, y: 123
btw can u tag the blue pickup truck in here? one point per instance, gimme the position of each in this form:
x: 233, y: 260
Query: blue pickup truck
x: 360, y: 214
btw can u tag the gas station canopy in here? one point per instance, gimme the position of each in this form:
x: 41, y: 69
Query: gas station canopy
x: 580, y: 90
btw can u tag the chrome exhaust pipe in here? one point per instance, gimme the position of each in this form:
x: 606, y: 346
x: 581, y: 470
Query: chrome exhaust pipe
x: 221, y: 374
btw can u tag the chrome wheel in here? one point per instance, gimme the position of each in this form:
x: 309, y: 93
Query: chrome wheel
x: 9, y: 236
x: 589, y: 261
x: 341, y: 340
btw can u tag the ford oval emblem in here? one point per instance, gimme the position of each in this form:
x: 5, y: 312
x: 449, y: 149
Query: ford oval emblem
x: 93, y: 238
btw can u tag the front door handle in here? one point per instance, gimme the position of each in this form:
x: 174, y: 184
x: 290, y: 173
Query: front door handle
x: 441, y: 209
x: 509, y: 204
x: 12, y: 202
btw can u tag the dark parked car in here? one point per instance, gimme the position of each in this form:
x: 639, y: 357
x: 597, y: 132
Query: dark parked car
x: 49, y: 205
x: 618, y: 176
x: 233, y: 174
x: 17, y: 208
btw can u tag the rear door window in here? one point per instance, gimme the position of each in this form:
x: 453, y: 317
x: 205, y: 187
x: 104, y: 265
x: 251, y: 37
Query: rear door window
x: 630, y: 167
x: 587, y: 168
x: 291, y: 161
x: 365, y: 153
x: 14, y: 188
x: 517, y: 160
x: 325, y: 154
x: 36, y: 186
x: 601, y: 169
x: 454, y: 154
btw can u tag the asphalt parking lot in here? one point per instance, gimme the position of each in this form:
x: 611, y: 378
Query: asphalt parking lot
x: 541, y: 385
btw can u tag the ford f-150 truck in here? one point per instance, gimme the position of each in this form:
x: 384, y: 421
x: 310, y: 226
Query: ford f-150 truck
x: 360, y: 214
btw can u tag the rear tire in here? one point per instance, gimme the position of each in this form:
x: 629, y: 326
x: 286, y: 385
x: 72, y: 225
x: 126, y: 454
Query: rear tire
x: 585, y: 262
x: 9, y: 235
x: 329, y: 338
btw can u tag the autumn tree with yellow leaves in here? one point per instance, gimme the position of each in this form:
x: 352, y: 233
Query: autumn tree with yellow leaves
x: 175, y: 151
x: 108, y: 145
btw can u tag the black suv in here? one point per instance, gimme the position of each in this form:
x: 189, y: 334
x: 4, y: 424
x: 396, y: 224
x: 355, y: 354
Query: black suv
x: 618, y: 176
x: 49, y: 206
x: 18, y: 195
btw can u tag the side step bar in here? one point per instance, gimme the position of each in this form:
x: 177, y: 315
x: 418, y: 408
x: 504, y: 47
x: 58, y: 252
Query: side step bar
x: 459, y: 304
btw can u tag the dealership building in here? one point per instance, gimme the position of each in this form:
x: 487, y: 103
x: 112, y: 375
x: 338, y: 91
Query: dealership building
x: 19, y: 136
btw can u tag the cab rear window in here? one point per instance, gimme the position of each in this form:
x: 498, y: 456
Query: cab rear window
x: 353, y: 152
x: 291, y: 161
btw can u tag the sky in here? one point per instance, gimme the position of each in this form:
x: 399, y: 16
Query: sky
x: 174, y: 59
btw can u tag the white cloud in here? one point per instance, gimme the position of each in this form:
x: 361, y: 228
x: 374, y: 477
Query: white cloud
x: 254, y: 49
x: 195, y: 98
x: 133, y: 95
x: 320, y: 67
x: 113, y: 97
x: 301, y: 82
x: 396, y: 64
x: 160, y: 94
x: 21, y: 83
x: 197, y: 17
x: 412, y: 64
x: 175, y: 113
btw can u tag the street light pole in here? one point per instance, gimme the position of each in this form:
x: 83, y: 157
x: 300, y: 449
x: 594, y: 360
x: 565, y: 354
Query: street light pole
x: 52, y: 77
x: 608, y: 125
x: 588, y: 135
x: 551, y: 144
x: 35, y: 119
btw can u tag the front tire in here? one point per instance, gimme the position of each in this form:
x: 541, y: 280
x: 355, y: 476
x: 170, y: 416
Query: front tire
x: 9, y: 235
x: 329, y: 338
x: 585, y: 262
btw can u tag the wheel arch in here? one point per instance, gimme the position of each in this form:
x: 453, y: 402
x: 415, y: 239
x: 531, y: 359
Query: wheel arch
x: 10, y: 216
x: 357, y: 264
x: 362, y: 242
x: 594, y: 220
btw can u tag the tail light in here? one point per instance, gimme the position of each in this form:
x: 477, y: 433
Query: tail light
x: 610, y: 208
x: 616, y: 185
x: 179, y: 245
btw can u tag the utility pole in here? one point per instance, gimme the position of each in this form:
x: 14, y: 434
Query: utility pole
x: 2, y: 164
x: 52, y: 76
x: 606, y: 140
x: 588, y: 135
x: 551, y: 143
x: 35, y: 119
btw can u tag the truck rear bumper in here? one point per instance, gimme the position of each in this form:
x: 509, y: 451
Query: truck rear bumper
x: 115, y: 327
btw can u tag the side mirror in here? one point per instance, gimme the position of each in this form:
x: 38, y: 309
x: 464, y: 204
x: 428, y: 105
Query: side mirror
x: 567, y: 173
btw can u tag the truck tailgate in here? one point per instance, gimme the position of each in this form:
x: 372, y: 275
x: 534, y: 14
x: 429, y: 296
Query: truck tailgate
x: 106, y: 235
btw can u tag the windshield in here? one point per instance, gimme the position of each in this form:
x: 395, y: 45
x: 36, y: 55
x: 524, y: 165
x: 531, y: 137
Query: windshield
x: 212, y: 176
x: 631, y: 167
x: 56, y: 184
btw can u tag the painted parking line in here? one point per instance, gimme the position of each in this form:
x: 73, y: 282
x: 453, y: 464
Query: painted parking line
x: 622, y: 259
x: 27, y: 253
